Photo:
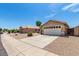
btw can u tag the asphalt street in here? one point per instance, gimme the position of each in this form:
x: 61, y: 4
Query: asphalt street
x: 2, y: 50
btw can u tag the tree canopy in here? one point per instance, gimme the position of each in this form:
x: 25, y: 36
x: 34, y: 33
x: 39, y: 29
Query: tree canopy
x: 38, y: 23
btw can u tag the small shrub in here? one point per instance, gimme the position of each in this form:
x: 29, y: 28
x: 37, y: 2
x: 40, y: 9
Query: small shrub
x: 1, y: 32
x: 16, y: 34
x: 9, y: 32
x: 29, y: 34
x: 33, y: 31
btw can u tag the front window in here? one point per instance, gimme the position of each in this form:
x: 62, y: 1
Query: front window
x: 59, y: 26
x: 56, y: 26
x: 53, y: 27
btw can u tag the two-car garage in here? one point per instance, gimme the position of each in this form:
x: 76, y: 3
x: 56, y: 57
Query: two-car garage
x: 53, y: 32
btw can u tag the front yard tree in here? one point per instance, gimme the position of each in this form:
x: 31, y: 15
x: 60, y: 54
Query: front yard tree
x: 0, y: 29
x: 38, y: 23
x: 5, y: 30
x: 13, y: 30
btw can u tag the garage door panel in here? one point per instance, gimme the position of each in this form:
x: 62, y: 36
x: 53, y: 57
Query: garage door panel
x: 53, y: 32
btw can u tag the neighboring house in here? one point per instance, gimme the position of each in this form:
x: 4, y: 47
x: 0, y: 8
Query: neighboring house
x: 76, y: 31
x: 71, y: 31
x: 29, y: 29
x: 53, y: 27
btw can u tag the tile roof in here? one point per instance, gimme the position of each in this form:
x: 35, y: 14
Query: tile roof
x: 58, y: 22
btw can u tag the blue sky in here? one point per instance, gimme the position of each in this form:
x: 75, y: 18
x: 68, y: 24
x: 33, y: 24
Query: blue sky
x: 26, y: 14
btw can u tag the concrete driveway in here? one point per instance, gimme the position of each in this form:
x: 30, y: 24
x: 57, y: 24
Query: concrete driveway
x: 40, y: 40
x: 16, y: 47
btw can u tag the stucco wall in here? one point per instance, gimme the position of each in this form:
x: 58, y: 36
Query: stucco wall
x: 76, y: 31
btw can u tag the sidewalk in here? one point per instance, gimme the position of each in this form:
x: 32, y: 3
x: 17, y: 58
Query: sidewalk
x: 17, y: 48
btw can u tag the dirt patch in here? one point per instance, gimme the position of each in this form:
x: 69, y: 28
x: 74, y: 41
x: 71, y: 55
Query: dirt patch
x: 64, y: 46
x: 21, y: 36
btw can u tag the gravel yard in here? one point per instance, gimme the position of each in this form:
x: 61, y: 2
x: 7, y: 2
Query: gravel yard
x: 21, y: 36
x: 64, y: 46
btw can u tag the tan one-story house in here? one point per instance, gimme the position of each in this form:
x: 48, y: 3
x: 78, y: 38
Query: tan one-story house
x: 53, y: 27
x: 26, y: 29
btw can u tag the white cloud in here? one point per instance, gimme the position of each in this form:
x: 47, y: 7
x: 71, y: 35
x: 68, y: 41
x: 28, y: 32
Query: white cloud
x: 50, y: 16
x: 71, y: 7
x: 68, y: 6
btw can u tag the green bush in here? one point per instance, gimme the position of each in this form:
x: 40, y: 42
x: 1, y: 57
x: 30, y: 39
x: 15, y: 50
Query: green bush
x: 33, y: 31
x: 9, y: 31
x: 29, y: 34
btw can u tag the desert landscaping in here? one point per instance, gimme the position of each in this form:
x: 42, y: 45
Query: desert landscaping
x: 21, y: 35
x: 64, y: 46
